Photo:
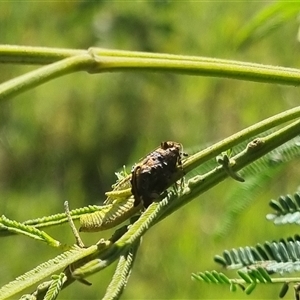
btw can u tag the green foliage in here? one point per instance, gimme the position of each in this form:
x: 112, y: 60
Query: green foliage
x: 258, y: 174
x: 44, y: 270
x: 247, y: 281
x: 80, y: 264
x: 55, y: 287
x: 64, y: 140
x: 30, y: 231
x: 256, y: 264
x: 268, y: 20
x: 286, y: 209
x: 121, y: 276
x: 271, y: 255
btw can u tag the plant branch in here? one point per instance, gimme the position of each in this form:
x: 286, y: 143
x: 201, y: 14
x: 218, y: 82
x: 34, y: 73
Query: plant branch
x: 241, y: 136
x: 97, y: 60
x: 255, y: 150
x: 196, y: 186
x: 37, y: 77
x: 35, y: 55
x: 201, y: 67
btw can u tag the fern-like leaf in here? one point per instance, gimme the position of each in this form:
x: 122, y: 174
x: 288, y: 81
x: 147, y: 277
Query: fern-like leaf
x: 274, y: 257
x: 109, y: 215
x: 247, y: 281
x: 44, y: 270
x: 56, y: 286
x: 62, y: 217
x: 30, y: 225
x: 122, y: 273
x: 32, y: 232
x: 287, y: 210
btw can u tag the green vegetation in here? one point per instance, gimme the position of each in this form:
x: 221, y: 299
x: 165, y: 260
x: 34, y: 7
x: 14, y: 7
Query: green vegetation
x: 63, y: 138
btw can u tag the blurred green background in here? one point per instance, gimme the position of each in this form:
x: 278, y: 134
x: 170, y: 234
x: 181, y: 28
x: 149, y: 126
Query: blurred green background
x: 65, y: 139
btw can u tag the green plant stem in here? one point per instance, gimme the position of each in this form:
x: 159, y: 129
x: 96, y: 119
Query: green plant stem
x: 34, y: 78
x: 45, y: 55
x: 264, y: 145
x: 274, y: 280
x: 159, y: 210
x: 243, y: 135
x: 202, y: 183
x: 44, y: 270
x: 209, y: 67
x: 64, y: 61
x: 134, y: 233
x: 122, y: 273
x: 35, y: 55
x: 97, y: 60
x: 98, y: 260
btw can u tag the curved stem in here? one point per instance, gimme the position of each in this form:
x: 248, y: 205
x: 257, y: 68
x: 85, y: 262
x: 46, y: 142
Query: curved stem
x: 118, y: 60
x: 34, y: 78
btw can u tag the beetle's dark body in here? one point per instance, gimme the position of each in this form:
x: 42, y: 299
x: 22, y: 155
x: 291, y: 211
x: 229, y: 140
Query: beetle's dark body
x: 155, y: 173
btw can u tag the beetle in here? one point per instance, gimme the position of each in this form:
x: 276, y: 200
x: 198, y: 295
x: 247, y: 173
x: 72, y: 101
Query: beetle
x: 156, y: 172
x: 149, y: 178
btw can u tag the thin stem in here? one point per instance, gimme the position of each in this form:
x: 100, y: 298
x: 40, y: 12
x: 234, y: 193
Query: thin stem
x: 274, y: 280
x: 118, y: 60
x: 35, y: 55
x: 78, y: 239
x: 45, y: 270
x: 122, y: 273
x: 34, y: 78
x: 264, y: 145
x: 201, y: 183
x: 134, y: 233
x: 209, y: 67
x: 240, y: 137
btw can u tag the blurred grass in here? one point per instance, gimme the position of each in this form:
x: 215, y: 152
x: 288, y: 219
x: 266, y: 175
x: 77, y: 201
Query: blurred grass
x: 65, y: 139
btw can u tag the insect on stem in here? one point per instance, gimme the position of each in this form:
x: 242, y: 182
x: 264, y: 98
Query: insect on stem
x: 149, y: 179
x: 156, y: 172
